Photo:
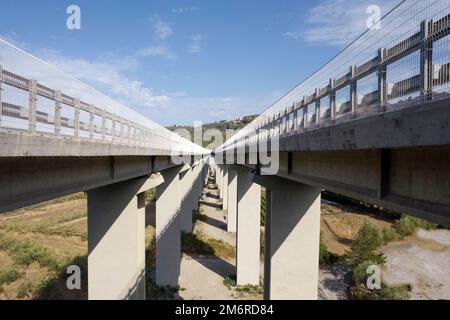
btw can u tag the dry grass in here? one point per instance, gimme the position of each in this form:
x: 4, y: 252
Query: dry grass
x: 340, y: 227
x: 53, y: 235
x: 199, y: 244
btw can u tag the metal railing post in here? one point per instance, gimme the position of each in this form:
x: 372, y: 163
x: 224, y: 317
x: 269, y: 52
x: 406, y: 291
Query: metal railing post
x: 382, y: 87
x: 426, y: 60
x: 353, y: 89
x: 317, y: 101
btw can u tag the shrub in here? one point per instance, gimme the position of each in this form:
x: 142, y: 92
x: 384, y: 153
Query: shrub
x: 369, y: 239
x: 407, y: 225
x: 25, y: 252
x: 10, y: 275
x: 155, y: 292
x: 324, y: 255
x: 25, y: 290
x: 230, y: 281
x: 390, y: 235
x: 360, y: 272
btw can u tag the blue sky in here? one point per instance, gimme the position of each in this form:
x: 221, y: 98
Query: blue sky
x: 177, y: 62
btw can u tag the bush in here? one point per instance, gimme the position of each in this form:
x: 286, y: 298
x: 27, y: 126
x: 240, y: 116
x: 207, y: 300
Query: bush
x: 360, y: 272
x: 230, y: 281
x: 25, y: 252
x: 390, y: 235
x: 324, y: 255
x: 155, y: 292
x: 407, y: 225
x: 10, y: 275
x: 360, y: 292
x: 369, y: 239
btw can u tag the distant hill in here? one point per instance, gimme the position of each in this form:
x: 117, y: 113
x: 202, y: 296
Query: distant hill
x: 222, y: 126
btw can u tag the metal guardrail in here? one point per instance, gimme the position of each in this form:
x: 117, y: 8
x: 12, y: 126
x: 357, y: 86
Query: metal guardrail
x: 38, y: 99
x: 411, y: 67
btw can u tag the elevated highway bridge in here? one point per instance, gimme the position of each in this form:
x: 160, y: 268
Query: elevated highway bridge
x: 372, y: 124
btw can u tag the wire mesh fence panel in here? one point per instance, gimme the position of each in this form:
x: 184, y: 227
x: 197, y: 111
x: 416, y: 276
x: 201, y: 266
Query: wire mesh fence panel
x: 15, y: 108
x: 441, y: 68
x: 343, y: 101
x: 45, y: 115
x: 67, y: 120
x: 37, y: 98
x: 402, y: 63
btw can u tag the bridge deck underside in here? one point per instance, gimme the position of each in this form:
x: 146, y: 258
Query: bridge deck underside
x: 413, y: 181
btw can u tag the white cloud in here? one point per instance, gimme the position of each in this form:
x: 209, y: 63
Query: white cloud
x: 338, y: 22
x: 196, y: 45
x: 156, y: 51
x: 108, y: 76
x: 184, y: 10
x: 161, y: 29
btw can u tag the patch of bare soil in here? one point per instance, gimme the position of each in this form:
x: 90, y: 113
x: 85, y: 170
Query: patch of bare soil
x: 340, y: 227
x: 422, y: 261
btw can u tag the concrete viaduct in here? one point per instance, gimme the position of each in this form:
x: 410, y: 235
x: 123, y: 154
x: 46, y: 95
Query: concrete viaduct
x: 377, y: 130
x: 372, y: 124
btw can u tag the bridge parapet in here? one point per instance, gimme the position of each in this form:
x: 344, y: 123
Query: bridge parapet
x: 403, y: 64
x: 39, y: 100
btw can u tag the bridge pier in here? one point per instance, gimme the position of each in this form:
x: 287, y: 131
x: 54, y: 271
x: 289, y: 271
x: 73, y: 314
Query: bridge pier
x: 116, y: 240
x: 292, y: 239
x: 187, y: 191
x: 232, y: 201
x: 224, y: 186
x: 168, y: 237
x: 196, y: 190
x: 219, y: 177
x: 248, y: 228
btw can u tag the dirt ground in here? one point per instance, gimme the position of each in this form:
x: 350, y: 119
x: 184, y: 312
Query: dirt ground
x: 340, y: 226
x: 202, y: 278
x: 422, y: 261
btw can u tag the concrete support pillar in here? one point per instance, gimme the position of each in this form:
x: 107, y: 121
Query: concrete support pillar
x: 225, y: 188
x: 186, y: 179
x: 168, y: 238
x: 116, y: 241
x: 195, y: 194
x: 232, y: 201
x: 248, y: 228
x: 292, y: 240
x: 219, y: 181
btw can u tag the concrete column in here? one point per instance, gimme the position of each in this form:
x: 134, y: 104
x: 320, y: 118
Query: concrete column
x: 168, y: 238
x: 195, y: 194
x: 248, y: 228
x: 219, y: 181
x: 292, y: 240
x: 232, y: 201
x: 116, y: 241
x: 225, y: 188
x: 187, y: 181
